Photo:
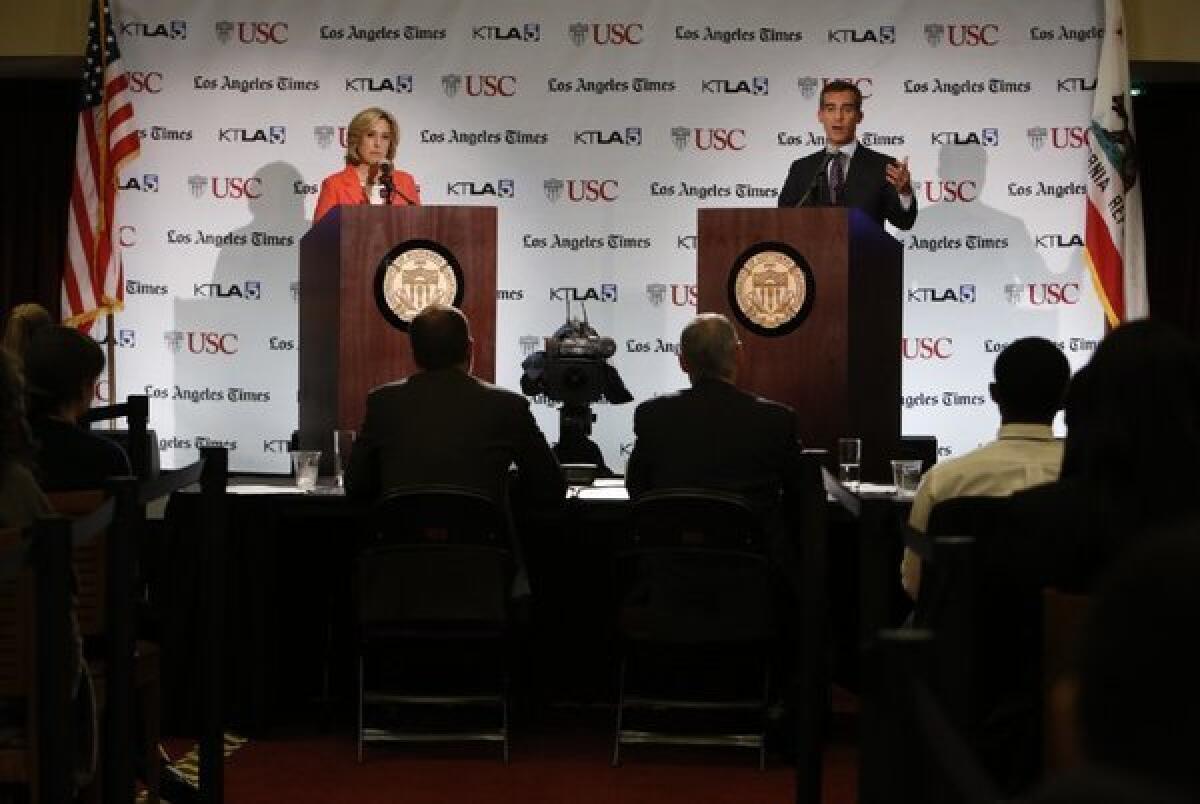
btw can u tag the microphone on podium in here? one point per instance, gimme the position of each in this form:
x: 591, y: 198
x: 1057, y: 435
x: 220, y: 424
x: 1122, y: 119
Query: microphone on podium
x: 389, y: 184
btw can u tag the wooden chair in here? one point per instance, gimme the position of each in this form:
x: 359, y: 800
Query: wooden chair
x: 106, y: 604
x: 103, y: 567
x: 35, y: 651
x: 1063, y: 616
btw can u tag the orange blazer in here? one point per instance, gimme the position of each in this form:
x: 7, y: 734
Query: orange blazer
x: 344, y: 187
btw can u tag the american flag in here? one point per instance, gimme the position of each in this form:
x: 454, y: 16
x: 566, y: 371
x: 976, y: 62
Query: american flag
x: 93, y: 285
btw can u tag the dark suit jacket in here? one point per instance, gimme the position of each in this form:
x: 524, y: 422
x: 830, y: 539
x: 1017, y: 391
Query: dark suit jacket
x: 447, y: 427
x: 714, y: 436
x: 867, y: 187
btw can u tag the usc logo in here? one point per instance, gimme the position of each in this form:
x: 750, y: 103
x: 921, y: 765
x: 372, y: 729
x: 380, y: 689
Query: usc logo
x: 148, y: 82
x: 927, y: 348
x: 262, y: 33
x: 592, y: 190
x: 720, y: 139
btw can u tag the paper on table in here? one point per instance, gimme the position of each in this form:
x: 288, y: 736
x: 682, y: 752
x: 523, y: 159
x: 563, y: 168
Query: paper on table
x: 262, y: 488
x: 601, y: 493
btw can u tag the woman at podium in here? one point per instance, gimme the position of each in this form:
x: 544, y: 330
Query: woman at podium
x: 369, y: 177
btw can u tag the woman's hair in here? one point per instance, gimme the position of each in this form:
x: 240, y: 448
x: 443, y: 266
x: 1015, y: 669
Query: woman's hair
x: 59, y: 364
x: 1133, y: 420
x: 24, y: 321
x: 15, y: 442
x: 359, y: 127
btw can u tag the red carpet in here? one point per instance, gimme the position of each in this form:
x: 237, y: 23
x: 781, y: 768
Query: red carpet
x: 555, y: 765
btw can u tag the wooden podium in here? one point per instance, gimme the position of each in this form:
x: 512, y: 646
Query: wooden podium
x: 347, y: 346
x: 840, y: 368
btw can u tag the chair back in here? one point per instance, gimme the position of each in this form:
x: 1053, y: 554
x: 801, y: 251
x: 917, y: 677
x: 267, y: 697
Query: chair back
x: 87, y: 559
x: 694, y: 571
x: 984, y: 668
x: 16, y: 600
x: 441, y: 515
x: 441, y: 560
x: 1063, y: 616
x: 137, y: 441
x: 911, y: 752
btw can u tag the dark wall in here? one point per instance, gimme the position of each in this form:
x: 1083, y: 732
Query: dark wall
x: 37, y: 148
x: 1167, y: 118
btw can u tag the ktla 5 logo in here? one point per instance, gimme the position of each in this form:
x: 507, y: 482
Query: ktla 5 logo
x: 604, y: 293
x: 971, y: 34
x: 150, y: 82
x: 606, y: 33
x: 758, y: 85
x: 173, y: 29
x: 226, y: 187
x: 948, y: 191
x: 201, y: 342
x: 927, y: 348
x: 401, y: 83
x: 883, y: 35
x: 709, y: 139
x: 252, y: 32
x: 582, y: 190
x: 481, y: 85
x: 271, y: 135
x: 987, y: 136
x: 1060, y: 137
x: 251, y: 290
x: 145, y: 183
x: 501, y: 188
x: 1041, y: 294
x: 529, y: 32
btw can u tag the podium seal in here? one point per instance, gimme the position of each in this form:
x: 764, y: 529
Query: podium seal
x: 771, y: 289
x: 414, y: 275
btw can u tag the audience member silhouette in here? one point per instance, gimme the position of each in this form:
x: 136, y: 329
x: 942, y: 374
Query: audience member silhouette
x: 62, y: 366
x: 1133, y: 434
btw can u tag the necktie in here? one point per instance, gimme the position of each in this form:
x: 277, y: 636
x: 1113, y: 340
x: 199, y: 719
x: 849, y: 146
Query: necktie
x: 837, y: 179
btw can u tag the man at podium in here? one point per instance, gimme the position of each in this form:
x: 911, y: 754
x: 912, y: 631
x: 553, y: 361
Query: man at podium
x: 847, y: 173
x: 369, y: 177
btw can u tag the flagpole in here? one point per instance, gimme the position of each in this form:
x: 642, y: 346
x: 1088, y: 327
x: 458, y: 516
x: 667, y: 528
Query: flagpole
x: 110, y: 342
x: 110, y: 347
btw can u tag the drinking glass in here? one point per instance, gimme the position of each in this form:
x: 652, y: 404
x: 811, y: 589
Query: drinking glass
x: 849, y: 451
x: 906, y: 475
x: 304, y: 464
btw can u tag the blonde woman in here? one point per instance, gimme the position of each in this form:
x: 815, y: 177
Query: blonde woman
x: 369, y: 177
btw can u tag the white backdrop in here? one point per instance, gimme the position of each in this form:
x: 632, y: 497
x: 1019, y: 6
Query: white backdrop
x: 598, y: 134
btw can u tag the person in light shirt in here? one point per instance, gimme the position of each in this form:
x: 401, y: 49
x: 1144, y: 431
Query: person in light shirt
x: 368, y: 177
x: 1031, y: 377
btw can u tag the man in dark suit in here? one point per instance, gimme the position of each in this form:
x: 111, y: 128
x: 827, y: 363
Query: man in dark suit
x: 713, y: 435
x: 847, y: 173
x: 444, y: 426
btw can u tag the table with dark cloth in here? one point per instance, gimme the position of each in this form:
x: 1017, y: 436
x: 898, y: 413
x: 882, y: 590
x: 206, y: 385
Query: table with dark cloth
x: 289, y: 613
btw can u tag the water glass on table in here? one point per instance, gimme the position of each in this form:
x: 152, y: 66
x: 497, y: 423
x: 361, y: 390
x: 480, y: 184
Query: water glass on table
x: 906, y: 475
x: 849, y: 454
x: 305, y: 463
